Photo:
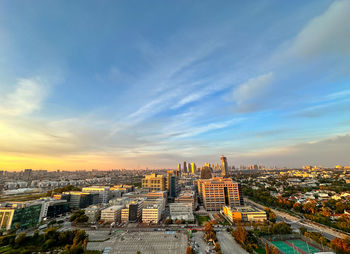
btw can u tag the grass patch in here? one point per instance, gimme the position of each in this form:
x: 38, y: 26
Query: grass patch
x: 5, y: 249
x: 202, y: 219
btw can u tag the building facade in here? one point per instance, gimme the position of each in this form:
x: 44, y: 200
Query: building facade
x: 218, y: 192
x: 245, y: 213
x: 154, y: 182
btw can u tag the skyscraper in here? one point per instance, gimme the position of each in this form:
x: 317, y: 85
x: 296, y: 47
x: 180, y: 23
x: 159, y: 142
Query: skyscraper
x: 193, y: 168
x: 223, y: 166
x: 185, y: 167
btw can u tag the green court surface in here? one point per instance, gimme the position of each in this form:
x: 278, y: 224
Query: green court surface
x: 285, y: 248
x: 304, y: 246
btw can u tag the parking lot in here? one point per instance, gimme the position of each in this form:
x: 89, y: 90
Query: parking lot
x: 146, y: 242
x: 228, y: 243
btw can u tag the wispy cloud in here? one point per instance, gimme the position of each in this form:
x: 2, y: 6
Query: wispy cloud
x: 26, y: 97
x: 328, y: 33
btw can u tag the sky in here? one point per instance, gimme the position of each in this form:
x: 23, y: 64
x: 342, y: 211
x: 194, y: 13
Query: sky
x: 136, y: 84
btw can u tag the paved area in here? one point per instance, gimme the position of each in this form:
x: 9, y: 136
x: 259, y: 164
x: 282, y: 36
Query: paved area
x: 228, y: 244
x: 146, y: 242
x: 201, y: 245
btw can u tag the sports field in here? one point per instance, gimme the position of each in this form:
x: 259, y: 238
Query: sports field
x: 285, y: 248
x: 295, y: 247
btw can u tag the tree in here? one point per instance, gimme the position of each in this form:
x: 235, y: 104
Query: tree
x: 217, y: 246
x: 302, y: 230
x: 297, y: 207
x: 342, y: 246
x: 189, y: 250
x: 20, y: 239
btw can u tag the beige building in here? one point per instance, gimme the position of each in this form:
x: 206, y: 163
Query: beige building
x: 154, y: 182
x: 111, y: 214
x: 218, y: 192
x: 133, y: 210
x: 151, y: 213
x: 244, y: 213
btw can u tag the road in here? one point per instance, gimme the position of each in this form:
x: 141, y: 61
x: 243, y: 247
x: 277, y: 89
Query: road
x: 297, y: 223
x: 228, y: 243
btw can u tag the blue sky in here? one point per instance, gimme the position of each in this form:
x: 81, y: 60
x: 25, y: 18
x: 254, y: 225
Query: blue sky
x: 133, y: 84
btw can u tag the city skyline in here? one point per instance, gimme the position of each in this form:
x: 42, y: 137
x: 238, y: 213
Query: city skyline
x: 150, y: 84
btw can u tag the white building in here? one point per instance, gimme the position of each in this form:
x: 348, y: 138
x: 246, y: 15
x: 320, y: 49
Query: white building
x: 181, y: 211
x: 93, y: 212
x: 111, y: 214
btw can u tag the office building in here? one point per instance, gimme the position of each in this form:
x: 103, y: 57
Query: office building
x: 93, y: 212
x: 218, y: 192
x: 102, y: 191
x: 245, y: 213
x: 79, y: 199
x: 172, y: 184
x: 224, y: 166
x: 133, y: 210
x: 193, y: 168
x: 181, y: 211
x: 151, y: 213
x: 184, y: 169
x: 111, y: 214
x: 25, y: 215
x: 154, y: 182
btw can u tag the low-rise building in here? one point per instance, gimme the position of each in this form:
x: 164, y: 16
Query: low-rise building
x: 133, y: 210
x: 244, y: 213
x: 102, y: 191
x: 111, y: 214
x: 151, y: 213
x: 181, y: 211
x: 188, y: 196
x: 93, y: 212
x: 24, y: 214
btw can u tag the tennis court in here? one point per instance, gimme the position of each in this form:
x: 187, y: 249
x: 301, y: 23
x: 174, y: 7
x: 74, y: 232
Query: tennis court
x: 296, y: 246
x: 304, y: 246
x: 285, y: 248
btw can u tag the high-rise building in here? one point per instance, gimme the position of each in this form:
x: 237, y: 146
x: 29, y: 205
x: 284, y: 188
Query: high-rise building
x: 193, y: 168
x: 184, y: 167
x: 154, y: 182
x: 224, y: 166
x: 218, y: 192
x: 179, y: 167
x: 206, y: 172
x: 172, y: 184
